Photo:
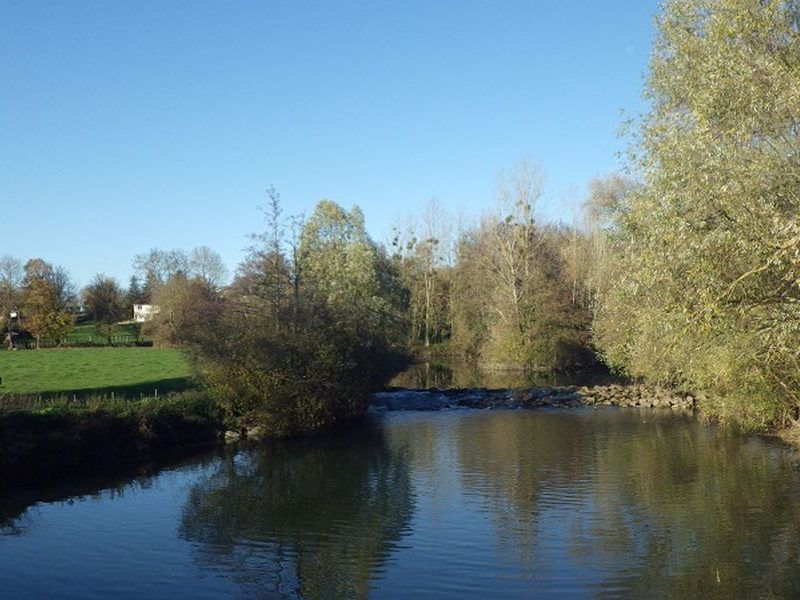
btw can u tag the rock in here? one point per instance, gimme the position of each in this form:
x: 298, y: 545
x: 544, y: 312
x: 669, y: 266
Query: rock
x: 563, y: 398
x: 232, y: 437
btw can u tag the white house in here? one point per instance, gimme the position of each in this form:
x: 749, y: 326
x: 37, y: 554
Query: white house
x: 144, y: 312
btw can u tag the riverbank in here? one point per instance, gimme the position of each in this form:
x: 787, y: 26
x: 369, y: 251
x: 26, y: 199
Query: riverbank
x: 52, y: 438
x: 55, y: 438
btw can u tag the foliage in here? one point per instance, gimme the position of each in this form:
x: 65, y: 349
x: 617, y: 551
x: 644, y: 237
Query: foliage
x: 186, y: 306
x: 307, y: 328
x: 206, y: 265
x: 46, y: 293
x: 506, y: 297
x: 157, y: 267
x: 104, y: 303
x: 135, y: 294
x: 702, y: 286
x: 424, y: 261
x: 11, y: 273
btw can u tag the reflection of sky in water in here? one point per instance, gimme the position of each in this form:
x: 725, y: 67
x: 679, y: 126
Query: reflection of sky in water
x: 452, y: 503
x: 109, y: 545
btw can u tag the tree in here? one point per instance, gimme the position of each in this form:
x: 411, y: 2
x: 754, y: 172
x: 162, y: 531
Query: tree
x: 188, y: 308
x: 11, y: 274
x: 135, y: 294
x: 104, y: 303
x: 265, y: 274
x: 272, y: 270
x: 594, y: 255
x: 207, y: 265
x: 309, y: 326
x: 157, y: 266
x: 513, y: 298
x: 346, y: 272
x: 65, y: 288
x: 425, y: 267
x: 513, y: 240
x: 708, y: 276
x: 43, y: 308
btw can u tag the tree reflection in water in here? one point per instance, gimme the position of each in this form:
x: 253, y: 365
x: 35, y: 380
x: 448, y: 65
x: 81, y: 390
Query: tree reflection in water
x: 449, y: 504
x: 654, y: 505
x: 451, y: 373
x: 315, y: 518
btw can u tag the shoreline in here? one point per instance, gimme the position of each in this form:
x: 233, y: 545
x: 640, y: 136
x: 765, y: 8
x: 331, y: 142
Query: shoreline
x: 60, y: 441
x: 60, y: 438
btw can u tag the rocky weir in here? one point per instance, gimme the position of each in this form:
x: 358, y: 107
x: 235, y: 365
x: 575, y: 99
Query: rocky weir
x: 541, y: 397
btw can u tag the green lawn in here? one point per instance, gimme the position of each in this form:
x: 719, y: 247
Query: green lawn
x: 124, y: 371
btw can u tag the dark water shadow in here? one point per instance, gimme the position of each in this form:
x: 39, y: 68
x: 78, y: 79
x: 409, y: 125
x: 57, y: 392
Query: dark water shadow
x: 90, y: 480
x: 314, y: 518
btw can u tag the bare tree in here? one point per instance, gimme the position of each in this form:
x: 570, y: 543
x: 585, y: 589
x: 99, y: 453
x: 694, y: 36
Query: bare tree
x: 207, y: 265
x: 11, y: 271
x: 65, y: 288
x: 514, y: 240
x: 158, y: 266
x: 435, y: 249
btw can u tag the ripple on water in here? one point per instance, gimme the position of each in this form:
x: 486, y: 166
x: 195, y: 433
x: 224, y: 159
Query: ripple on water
x: 459, y: 504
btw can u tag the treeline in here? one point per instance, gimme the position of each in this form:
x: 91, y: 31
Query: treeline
x: 40, y: 301
x: 686, y: 273
x: 505, y: 292
x: 313, y: 320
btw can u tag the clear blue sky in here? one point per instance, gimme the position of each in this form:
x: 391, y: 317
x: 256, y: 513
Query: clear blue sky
x: 128, y: 125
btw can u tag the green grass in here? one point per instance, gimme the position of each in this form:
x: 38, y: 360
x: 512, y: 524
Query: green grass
x: 127, y: 372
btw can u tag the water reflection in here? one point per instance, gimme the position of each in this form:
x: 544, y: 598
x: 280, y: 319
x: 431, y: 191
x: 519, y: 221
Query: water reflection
x: 316, y: 519
x: 456, y: 373
x: 659, y: 506
x: 108, y: 482
x: 584, y: 502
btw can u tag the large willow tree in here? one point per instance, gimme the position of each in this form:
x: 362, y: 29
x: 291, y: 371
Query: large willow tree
x: 707, y: 277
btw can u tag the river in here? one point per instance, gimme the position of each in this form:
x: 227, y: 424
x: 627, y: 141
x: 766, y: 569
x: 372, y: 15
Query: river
x: 413, y: 504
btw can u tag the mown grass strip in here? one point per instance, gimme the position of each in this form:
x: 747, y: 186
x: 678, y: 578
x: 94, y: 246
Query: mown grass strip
x: 129, y: 372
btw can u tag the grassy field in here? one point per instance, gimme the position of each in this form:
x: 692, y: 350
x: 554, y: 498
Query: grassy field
x: 127, y: 372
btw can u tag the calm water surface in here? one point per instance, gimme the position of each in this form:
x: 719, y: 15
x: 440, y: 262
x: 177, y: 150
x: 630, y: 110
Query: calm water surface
x: 485, y: 504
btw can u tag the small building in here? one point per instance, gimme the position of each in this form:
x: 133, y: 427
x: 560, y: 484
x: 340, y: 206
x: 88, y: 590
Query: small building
x: 145, y: 312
